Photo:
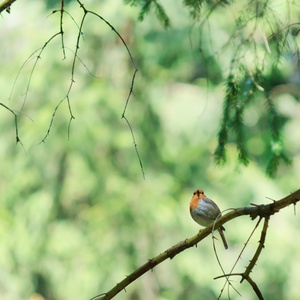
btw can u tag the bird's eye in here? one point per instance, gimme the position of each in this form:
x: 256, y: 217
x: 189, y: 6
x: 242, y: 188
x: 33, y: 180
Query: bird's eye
x: 198, y: 192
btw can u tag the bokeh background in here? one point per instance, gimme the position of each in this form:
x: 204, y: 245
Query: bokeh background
x: 76, y: 216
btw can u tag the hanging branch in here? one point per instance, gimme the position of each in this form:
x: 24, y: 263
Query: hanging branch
x: 86, y: 11
x: 263, y: 211
x: 74, y: 61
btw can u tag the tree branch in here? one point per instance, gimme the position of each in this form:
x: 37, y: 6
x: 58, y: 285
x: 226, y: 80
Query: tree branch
x: 234, y: 265
x: 258, y: 251
x: 16, y: 125
x: 5, y: 5
x: 263, y: 211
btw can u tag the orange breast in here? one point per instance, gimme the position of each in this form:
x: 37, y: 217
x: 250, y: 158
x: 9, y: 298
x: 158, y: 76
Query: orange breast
x: 194, y: 202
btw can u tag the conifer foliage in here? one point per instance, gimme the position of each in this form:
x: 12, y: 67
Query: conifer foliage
x: 262, y: 39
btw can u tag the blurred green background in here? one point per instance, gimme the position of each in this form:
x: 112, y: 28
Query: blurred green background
x: 76, y: 216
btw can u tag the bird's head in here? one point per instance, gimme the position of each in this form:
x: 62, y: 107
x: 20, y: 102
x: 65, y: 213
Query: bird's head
x: 198, y: 192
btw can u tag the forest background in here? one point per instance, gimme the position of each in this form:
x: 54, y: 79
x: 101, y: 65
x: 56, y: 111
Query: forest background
x: 76, y: 214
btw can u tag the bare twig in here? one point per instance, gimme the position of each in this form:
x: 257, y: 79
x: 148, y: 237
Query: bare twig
x: 135, y: 145
x: 61, y: 28
x: 218, y: 259
x: 34, y: 66
x: 52, y: 119
x: 285, y: 28
x: 132, y: 82
x: 71, y: 117
x: 250, y: 281
x: 67, y: 96
x: 16, y: 125
x: 75, y: 58
x: 262, y: 211
x: 84, y: 65
x: 19, y: 72
x: 239, y: 257
x: 253, y: 261
x: 258, y: 250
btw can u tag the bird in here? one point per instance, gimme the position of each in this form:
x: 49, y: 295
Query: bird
x: 204, y: 211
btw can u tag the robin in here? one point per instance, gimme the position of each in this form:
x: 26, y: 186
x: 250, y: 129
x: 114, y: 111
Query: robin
x: 204, y: 211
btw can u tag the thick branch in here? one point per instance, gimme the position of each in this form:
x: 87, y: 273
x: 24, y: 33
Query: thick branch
x: 255, y: 288
x: 5, y: 5
x: 264, y: 211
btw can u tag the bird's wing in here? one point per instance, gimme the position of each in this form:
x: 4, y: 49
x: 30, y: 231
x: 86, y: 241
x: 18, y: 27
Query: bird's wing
x: 215, y: 212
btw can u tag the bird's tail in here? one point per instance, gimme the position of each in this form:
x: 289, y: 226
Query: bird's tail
x: 221, y: 229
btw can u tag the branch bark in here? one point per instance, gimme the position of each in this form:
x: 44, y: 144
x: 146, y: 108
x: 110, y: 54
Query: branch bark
x: 263, y: 211
x: 5, y: 5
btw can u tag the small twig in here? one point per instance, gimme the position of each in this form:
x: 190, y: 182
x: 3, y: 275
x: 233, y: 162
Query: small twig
x: 75, y: 58
x: 86, y: 11
x: 71, y: 117
x: 239, y: 257
x: 16, y: 126
x: 270, y: 199
x: 246, y: 274
x: 287, y: 27
x: 72, y: 80
x: 34, y: 66
x: 259, y: 249
x: 84, y: 65
x: 19, y: 72
x: 250, y: 281
x: 260, y: 88
x: 135, y: 146
x: 52, y: 119
x: 61, y: 28
x: 130, y: 93
x: 218, y: 259
x: 265, y: 41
